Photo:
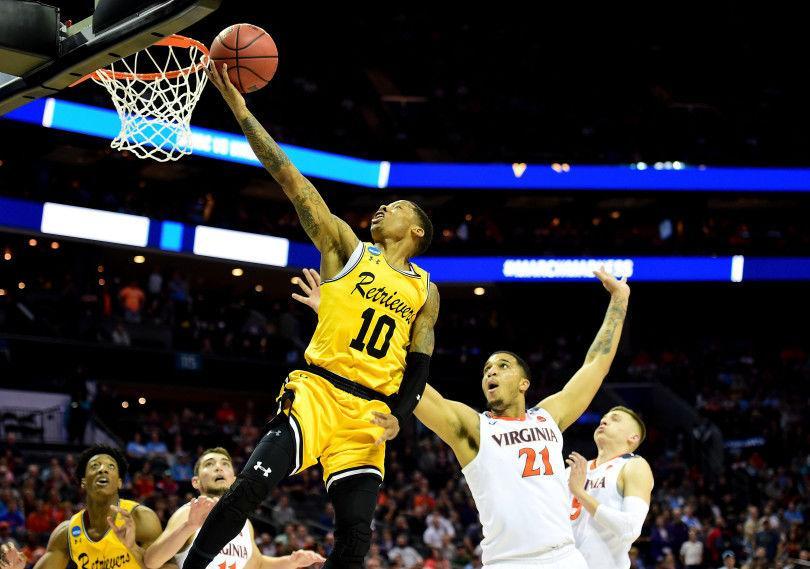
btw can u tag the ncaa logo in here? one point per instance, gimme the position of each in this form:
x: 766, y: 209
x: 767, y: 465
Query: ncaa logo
x: 75, y: 531
x: 374, y: 250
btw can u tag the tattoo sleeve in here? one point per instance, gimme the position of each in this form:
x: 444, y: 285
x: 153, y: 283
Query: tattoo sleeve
x: 267, y: 151
x: 423, y: 337
x: 310, y: 206
x: 607, y: 338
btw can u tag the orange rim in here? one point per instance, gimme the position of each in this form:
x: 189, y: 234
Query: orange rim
x: 168, y: 41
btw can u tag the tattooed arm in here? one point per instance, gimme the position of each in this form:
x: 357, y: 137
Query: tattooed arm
x: 330, y: 234
x: 567, y: 405
x: 417, y: 369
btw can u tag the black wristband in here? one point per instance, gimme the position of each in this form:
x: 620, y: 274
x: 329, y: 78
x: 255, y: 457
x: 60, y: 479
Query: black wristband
x: 414, y: 379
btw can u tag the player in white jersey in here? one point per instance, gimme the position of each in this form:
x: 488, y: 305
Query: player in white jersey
x: 213, y: 475
x: 512, y: 457
x: 611, y: 493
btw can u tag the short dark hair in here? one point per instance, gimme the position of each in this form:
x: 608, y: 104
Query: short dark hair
x: 215, y: 450
x: 637, y: 418
x: 520, y: 361
x: 115, y: 453
x: 426, y: 225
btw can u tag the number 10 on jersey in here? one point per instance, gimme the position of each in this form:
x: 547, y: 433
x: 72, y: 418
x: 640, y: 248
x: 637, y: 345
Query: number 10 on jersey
x: 384, y: 321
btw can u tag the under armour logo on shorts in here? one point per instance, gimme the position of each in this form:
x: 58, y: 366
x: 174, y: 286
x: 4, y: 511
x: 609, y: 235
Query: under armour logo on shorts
x: 266, y: 471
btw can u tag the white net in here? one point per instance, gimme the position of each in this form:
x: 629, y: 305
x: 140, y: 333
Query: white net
x: 155, y: 91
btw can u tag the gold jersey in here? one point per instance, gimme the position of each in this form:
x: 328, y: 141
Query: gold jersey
x: 365, y: 319
x: 106, y: 553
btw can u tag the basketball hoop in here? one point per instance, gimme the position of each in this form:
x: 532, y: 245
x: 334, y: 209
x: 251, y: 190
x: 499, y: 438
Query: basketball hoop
x: 155, y: 91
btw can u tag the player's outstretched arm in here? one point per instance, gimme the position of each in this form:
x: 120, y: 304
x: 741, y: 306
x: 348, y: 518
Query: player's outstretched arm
x: 56, y: 555
x: 179, y: 532
x: 329, y: 233
x: 300, y: 558
x: 567, y: 405
x: 455, y: 423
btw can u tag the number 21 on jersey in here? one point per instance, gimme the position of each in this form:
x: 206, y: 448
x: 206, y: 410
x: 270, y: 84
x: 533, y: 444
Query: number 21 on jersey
x: 529, y: 468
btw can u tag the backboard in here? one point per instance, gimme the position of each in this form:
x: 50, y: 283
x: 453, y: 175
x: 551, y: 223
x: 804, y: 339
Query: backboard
x: 40, y: 55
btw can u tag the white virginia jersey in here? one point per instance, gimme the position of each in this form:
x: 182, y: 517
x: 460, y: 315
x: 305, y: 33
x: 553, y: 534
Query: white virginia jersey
x: 601, y: 548
x: 234, y: 555
x: 519, y: 485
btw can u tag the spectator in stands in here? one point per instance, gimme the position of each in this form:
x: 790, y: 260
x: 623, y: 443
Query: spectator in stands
x: 436, y: 560
x: 768, y: 539
x: 156, y: 451
x: 438, y: 528
x: 55, y: 474
x: 729, y: 560
x: 225, y: 414
x: 178, y: 288
x: 132, y: 299
x: 407, y: 555
x: 265, y: 544
x: 39, y: 521
x: 6, y: 536
x: 136, y: 451
x: 6, y: 474
x: 143, y: 484
x: 793, y: 515
x: 120, y: 335
x: 692, y: 551
x: 283, y: 513
x: 182, y: 470
x: 424, y: 499
x: 155, y: 282
x: 14, y: 516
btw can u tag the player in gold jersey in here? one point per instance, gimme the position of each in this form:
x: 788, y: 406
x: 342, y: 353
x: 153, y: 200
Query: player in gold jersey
x: 368, y: 360
x: 109, y: 533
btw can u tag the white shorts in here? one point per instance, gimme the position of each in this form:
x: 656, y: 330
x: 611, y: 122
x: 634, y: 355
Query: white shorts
x: 567, y: 557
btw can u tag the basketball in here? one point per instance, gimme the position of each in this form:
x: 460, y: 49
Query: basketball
x: 249, y: 52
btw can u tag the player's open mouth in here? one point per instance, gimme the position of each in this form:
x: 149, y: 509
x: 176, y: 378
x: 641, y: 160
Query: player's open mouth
x: 377, y: 217
x: 219, y: 479
x: 492, y: 386
x: 103, y: 481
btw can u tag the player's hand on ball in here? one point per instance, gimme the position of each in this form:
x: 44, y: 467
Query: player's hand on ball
x: 389, y: 423
x: 219, y: 77
x: 579, y: 468
x: 11, y: 557
x: 199, y: 510
x: 305, y: 558
x: 616, y: 287
x: 126, y: 532
x: 311, y: 289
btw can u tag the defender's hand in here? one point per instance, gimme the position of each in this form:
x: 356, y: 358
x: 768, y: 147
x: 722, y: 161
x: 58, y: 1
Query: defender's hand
x: 305, y: 558
x: 389, y: 423
x: 579, y: 468
x: 199, y: 510
x: 125, y: 533
x: 219, y: 77
x: 616, y: 287
x: 312, y: 289
x: 11, y: 557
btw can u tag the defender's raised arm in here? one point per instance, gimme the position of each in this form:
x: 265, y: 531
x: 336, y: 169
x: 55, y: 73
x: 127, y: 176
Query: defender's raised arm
x: 567, y: 405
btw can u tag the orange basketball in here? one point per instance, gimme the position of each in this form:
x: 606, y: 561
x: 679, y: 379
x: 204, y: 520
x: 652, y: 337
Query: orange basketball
x: 249, y: 52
